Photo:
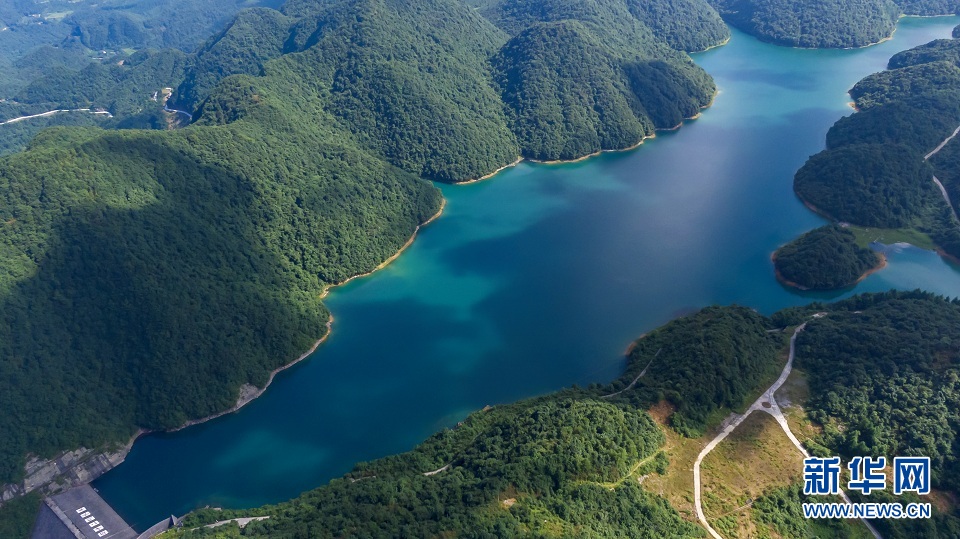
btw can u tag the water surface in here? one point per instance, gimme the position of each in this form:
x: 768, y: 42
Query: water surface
x: 539, y: 279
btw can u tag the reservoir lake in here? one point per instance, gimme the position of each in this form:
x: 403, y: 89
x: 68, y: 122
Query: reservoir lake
x: 538, y: 279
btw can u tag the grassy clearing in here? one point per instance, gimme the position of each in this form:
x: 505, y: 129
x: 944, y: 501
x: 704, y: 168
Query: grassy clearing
x: 757, y: 457
x: 677, y: 484
x: 892, y: 235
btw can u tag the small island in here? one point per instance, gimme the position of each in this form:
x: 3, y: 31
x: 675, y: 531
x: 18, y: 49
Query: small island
x: 825, y: 259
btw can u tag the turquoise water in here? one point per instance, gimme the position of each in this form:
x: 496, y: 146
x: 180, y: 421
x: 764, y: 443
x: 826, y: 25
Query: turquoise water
x: 539, y: 279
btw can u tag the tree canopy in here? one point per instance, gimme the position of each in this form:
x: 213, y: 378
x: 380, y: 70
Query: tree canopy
x: 824, y: 258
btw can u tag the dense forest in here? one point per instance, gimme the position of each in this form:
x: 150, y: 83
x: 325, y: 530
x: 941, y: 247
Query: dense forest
x: 561, y: 465
x: 875, y: 171
x: 37, y: 36
x: 167, y: 268
x: 825, y: 23
x: 884, y: 371
x: 882, y: 185
x: 823, y: 259
x: 705, y: 364
x: 171, y: 267
x: 813, y: 23
x: 687, y: 25
x: 531, y: 469
x: 575, y: 79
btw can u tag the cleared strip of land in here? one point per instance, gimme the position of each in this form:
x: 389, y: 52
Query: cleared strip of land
x: 766, y: 403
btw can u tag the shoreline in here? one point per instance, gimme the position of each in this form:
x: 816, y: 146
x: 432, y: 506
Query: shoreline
x: 884, y: 40
x: 781, y: 278
x: 385, y: 263
x: 815, y: 209
x: 947, y: 256
x: 601, y: 152
x: 881, y: 264
x: 516, y: 162
x: 250, y: 392
x: 248, y: 395
x: 711, y: 47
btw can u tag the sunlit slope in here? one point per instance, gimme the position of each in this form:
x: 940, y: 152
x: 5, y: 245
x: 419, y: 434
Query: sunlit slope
x: 147, y: 275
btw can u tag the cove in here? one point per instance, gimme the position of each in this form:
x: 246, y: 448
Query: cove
x: 538, y: 279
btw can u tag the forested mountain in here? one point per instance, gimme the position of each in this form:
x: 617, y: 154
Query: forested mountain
x: 575, y: 79
x: 411, y: 80
x: 884, y: 373
x: 874, y: 171
x: 938, y: 50
x: 130, y: 89
x: 813, y: 23
x: 825, y: 23
x: 823, y: 259
x: 124, y: 88
x: 705, y: 364
x: 254, y: 37
x: 172, y: 267
x: 913, y: 84
x: 687, y: 25
x: 880, y: 185
x: 86, y: 29
x: 929, y: 8
x: 920, y: 127
x: 582, y: 77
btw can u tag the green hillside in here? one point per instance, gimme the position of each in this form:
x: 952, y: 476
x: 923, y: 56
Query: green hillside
x: 410, y: 80
x: 578, y: 78
x: 883, y: 377
x: 705, y: 364
x: 568, y: 97
x: 687, y: 25
x: 882, y: 372
x: 813, y: 23
x: 921, y: 127
x: 874, y: 172
x: 94, y: 30
x: 531, y: 469
x: 565, y: 464
x: 929, y: 8
x: 124, y: 89
x: 878, y: 185
x: 171, y: 267
x: 825, y: 23
x: 823, y: 259
x: 937, y: 50
x: 254, y: 37
x: 914, y: 84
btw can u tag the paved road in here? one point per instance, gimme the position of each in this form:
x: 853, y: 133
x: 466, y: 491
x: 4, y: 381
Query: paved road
x: 766, y: 403
x: 943, y: 190
x: 942, y: 144
x: 946, y: 196
x: 242, y: 522
x: 52, y: 112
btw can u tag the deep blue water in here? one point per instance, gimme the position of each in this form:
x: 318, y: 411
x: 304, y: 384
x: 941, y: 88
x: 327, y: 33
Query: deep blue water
x: 538, y: 279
